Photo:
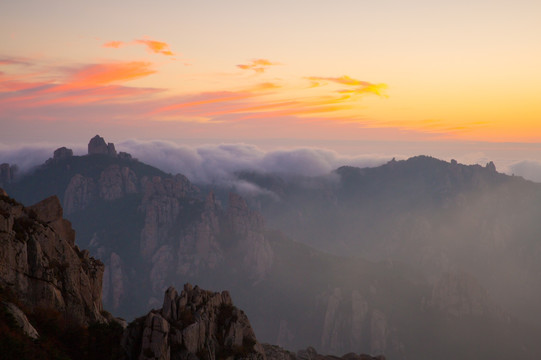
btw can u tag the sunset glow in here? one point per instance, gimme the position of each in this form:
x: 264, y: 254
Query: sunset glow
x: 425, y: 79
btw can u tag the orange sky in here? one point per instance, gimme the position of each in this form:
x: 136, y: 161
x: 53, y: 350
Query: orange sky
x: 466, y: 71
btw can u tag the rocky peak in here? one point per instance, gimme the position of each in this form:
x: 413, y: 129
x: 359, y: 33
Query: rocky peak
x: 491, y: 167
x: 195, y: 324
x: 97, y: 145
x: 111, y: 151
x: 62, y: 153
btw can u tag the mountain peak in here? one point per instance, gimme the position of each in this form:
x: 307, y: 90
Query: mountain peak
x: 97, y: 145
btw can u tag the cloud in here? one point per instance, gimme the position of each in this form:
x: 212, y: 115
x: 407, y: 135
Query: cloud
x: 73, y: 86
x: 258, y: 65
x: 217, y: 163
x: 528, y: 169
x: 114, y: 44
x: 53, y: 93
x: 212, y: 164
x: 158, y: 47
x: 355, y: 86
x: 154, y: 46
x: 204, y: 104
x: 11, y: 60
x: 26, y: 157
x: 102, y: 74
x: 344, y: 80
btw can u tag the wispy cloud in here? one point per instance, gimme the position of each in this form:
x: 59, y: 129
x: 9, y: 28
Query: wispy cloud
x: 258, y: 65
x: 40, y: 90
x: 158, y: 47
x: 153, y: 46
x: 101, y: 74
x: 71, y: 86
x: 114, y: 44
x: 354, y: 86
x: 11, y: 60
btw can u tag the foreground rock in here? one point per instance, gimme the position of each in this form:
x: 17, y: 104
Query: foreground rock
x: 274, y: 352
x: 197, y: 324
x: 40, y: 264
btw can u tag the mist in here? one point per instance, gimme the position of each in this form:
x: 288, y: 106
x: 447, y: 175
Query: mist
x: 218, y: 163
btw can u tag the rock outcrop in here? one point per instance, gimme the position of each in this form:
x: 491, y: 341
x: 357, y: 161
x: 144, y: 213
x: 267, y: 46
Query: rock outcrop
x: 196, y: 324
x: 274, y: 352
x: 41, y: 265
x: 7, y: 173
x: 62, y: 153
x: 97, y: 146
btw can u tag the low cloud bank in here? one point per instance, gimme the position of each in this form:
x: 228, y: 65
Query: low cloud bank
x: 215, y: 163
x: 528, y: 169
x: 27, y: 157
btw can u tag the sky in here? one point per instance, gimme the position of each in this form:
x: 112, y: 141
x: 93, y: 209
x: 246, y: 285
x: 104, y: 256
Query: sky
x: 453, y: 79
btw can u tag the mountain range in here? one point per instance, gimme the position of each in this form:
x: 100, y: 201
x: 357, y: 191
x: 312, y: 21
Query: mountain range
x: 419, y: 258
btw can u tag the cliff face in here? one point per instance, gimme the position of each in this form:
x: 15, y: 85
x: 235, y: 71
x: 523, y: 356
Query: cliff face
x: 41, y: 265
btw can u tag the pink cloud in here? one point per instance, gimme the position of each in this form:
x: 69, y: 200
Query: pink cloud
x: 93, y: 83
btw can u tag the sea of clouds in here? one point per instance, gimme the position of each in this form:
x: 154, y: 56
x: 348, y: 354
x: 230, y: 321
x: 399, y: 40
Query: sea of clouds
x: 208, y: 164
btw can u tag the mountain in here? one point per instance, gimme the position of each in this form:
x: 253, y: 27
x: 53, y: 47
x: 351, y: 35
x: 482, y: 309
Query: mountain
x: 396, y: 284
x: 50, y: 303
x: 440, y: 217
